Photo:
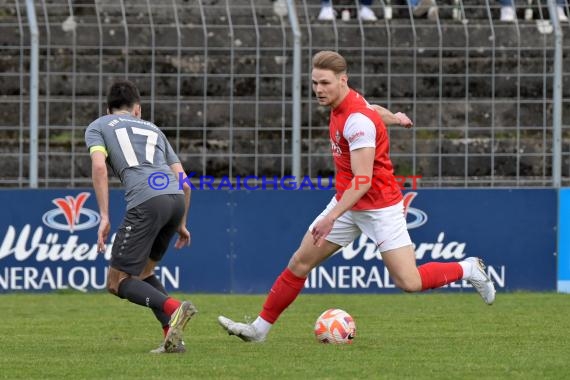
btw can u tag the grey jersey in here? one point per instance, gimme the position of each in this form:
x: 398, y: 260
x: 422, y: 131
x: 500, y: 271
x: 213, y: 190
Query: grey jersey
x: 139, y: 153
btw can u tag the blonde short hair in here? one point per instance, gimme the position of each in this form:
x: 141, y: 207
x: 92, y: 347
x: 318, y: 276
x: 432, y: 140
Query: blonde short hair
x: 330, y: 60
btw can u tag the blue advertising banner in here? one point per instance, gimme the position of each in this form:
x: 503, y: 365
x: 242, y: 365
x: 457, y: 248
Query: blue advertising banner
x: 49, y: 241
x: 564, y: 241
x: 241, y: 240
x: 512, y: 230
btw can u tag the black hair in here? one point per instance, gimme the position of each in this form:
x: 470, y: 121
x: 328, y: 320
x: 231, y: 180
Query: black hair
x: 122, y: 94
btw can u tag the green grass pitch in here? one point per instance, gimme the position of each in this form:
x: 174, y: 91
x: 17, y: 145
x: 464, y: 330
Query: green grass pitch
x: 425, y: 336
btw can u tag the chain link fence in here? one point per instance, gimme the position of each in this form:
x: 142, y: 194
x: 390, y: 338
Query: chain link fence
x: 216, y: 76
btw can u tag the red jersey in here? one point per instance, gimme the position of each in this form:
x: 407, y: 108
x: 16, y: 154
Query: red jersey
x: 354, y: 124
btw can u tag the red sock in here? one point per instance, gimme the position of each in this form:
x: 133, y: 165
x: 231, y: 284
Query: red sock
x: 165, y: 329
x: 170, y: 305
x: 284, y: 291
x: 435, y: 275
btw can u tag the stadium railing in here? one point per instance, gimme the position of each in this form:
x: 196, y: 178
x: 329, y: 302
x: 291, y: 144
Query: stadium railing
x: 217, y: 77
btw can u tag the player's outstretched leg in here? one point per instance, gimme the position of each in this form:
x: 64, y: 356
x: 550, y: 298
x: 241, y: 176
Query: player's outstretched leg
x: 245, y: 331
x: 436, y: 274
x: 284, y: 291
x: 401, y: 264
x: 173, y: 342
x: 479, y: 280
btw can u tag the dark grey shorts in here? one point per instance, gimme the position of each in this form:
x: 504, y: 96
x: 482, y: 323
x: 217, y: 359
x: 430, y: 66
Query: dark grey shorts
x: 145, y: 232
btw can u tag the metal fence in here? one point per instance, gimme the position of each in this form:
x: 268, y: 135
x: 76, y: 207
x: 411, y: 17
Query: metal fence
x: 217, y: 77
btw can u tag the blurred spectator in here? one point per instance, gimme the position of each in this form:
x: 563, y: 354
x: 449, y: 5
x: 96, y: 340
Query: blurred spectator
x: 509, y: 14
x: 280, y: 8
x: 422, y: 7
x: 365, y: 13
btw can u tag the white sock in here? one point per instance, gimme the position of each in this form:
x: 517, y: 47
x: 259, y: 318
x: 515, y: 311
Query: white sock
x: 467, y: 269
x: 262, y: 326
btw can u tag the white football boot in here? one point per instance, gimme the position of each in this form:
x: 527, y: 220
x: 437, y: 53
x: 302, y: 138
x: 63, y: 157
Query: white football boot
x: 244, y: 331
x: 480, y: 281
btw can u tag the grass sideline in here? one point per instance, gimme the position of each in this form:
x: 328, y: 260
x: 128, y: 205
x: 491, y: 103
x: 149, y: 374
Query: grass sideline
x: 423, y: 336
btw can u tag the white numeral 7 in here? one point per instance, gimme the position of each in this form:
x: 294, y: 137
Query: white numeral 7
x: 127, y: 147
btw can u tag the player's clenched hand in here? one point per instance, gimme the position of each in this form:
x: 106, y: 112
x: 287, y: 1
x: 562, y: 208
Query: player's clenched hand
x: 321, y: 229
x: 183, y: 237
x: 404, y: 120
x: 103, y: 234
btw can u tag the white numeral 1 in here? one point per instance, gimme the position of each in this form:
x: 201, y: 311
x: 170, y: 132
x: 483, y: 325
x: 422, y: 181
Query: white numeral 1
x: 127, y: 147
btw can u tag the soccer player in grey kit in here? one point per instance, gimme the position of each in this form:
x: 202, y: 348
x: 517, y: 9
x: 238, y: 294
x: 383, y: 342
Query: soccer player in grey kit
x: 137, y: 150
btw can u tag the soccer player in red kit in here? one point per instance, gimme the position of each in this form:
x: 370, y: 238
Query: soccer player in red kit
x: 369, y: 201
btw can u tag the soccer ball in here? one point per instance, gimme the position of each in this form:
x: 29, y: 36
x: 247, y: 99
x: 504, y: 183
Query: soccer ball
x: 335, y: 326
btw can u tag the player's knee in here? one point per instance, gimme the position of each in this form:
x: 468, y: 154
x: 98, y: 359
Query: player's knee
x: 114, y: 279
x: 144, y: 275
x: 408, y: 285
x: 112, y: 288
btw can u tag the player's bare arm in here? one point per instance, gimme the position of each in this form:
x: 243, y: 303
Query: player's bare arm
x: 389, y: 118
x: 183, y: 233
x: 101, y: 186
x: 362, y: 163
